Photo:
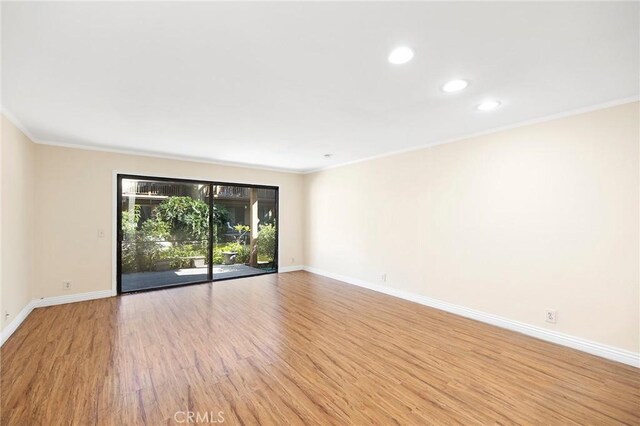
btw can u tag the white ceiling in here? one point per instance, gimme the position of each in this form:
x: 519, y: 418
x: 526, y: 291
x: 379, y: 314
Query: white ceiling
x: 281, y: 84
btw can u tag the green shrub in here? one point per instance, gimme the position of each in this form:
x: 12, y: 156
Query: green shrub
x: 186, y: 218
x: 243, y: 252
x: 130, y: 219
x: 140, y: 248
x: 220, y: 219
x: 128, y: 258
x: 179, y: 254
x: 218, y: 257
x: 175, y: 219
x: 266, y: 242
x: 140, y: 256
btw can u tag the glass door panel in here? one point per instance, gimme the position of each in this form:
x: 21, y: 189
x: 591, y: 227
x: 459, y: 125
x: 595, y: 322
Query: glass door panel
x: 164, y: 233
x: 245, y: 242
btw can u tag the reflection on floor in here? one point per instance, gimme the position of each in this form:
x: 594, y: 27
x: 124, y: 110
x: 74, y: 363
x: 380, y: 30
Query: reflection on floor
x: 145, y: 280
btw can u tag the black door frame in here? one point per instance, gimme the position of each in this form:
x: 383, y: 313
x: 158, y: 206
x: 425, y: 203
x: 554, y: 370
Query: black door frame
x: 211, y: 184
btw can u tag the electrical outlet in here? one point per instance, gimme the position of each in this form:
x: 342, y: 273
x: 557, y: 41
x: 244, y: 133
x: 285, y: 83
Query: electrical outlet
x: 384, y: 278
x: 551, y: 316
x: 293, y: 260
x: 66, y: 285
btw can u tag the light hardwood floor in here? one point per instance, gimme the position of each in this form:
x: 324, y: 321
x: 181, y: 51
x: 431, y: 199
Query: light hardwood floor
x: 291, y: 349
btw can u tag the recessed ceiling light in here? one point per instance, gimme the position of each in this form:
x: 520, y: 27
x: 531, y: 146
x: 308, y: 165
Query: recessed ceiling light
x: 400, y: 55
x: 488, y: 105
x: 454, y: 85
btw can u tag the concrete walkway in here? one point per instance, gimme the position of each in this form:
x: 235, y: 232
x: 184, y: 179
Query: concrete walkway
x: 145, y: 280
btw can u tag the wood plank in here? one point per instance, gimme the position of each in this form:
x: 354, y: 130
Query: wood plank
x: 295, y: 348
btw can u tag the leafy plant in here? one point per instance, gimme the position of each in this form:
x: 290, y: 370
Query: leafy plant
x: 140, y: 247
x: 266, y: 242
x: 187, y: 218
x: 175, y: 219
x: 179, y: 255
x: 242, y: 250
x: 139, y: 256
x: 154, y: 230
x: 242, y: 231
x: 218, y: 257
x: 129, y: 258
x: 221, y: 218
x: 130, y: 219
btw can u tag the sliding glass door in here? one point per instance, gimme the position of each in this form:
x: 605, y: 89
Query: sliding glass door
x: 175, y: 232
x: 246, y: 234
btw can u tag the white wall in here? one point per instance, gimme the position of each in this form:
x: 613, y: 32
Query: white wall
x: 543, y: 216
x: 512, y: 223
x: 17, y: 223
x: 55, y: 199
x: 75, y: 199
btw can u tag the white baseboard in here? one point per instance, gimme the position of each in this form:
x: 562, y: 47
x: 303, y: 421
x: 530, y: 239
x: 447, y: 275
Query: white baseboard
x: 49, y: 301
x: 15, y: 323
x: 604, y: 351
x: 598, y: 349
x: 71, y: 298
x: 290, y: 268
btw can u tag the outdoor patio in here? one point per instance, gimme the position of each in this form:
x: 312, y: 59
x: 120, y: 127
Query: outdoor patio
x: 146, y: 280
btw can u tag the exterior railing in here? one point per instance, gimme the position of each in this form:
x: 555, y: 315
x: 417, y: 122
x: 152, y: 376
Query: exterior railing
x: 158, y: 189
x: 162, y: 189
x: 241, y: 192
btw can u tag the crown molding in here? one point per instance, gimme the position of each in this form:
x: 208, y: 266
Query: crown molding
x: 12, y: 118
x: 177, y: 157
x: 519, y: 124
